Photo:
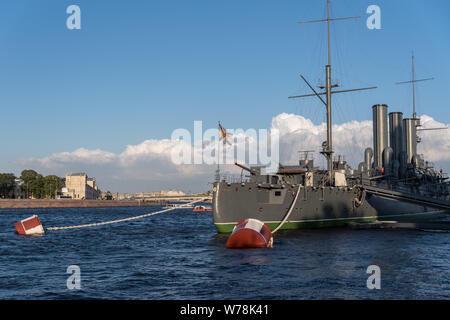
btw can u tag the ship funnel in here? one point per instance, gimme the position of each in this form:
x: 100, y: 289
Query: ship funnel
x: 388, y: 155
x: 362, y: 167
x: 380, y: 133
x: 410, y: 138
x: 396, y: 140
x: 368, y: 154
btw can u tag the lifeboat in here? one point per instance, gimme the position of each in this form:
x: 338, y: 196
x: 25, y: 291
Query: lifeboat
x: 201, y: 209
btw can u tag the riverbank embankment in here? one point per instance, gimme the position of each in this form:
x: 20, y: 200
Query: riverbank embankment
x: 69, y: 203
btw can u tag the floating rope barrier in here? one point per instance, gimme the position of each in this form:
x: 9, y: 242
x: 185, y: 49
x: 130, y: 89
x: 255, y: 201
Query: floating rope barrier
x: 119, y: 220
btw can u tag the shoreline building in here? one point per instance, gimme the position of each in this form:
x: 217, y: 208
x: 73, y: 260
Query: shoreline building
x: 80, y: 186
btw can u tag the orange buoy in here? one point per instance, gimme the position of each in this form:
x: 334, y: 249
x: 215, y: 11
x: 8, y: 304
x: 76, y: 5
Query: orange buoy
x: 250, y: 233
x: 29, y: 226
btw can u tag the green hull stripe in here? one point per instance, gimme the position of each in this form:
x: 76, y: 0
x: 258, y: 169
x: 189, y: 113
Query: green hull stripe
x: 228, y: 227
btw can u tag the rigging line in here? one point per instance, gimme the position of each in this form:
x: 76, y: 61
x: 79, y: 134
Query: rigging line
x: 345, y: 146
x: 408, y: 102
x: 350, y: 100
x: 309, y: 55
x: 418, y: 102
x: 344, y: 103
x: 337, y: 71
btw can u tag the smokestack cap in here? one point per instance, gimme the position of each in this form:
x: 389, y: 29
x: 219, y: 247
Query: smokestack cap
x: 379, y: 105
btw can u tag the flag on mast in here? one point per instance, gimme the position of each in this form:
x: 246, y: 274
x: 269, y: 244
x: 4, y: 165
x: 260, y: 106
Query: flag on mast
x: 224, y: 135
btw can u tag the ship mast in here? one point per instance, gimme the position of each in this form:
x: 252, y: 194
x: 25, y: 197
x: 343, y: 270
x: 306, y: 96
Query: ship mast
x: 327, y: 146
x: 414, y: 86
x: 413, y: 81
x: 328, y: 152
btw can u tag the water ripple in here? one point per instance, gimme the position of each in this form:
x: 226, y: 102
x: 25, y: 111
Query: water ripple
x: 179, y: 255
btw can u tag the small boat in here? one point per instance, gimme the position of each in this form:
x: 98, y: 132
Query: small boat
x: 201, y: 209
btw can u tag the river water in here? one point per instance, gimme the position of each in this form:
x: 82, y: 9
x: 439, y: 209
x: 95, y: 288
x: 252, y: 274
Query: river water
x: 179, y: 255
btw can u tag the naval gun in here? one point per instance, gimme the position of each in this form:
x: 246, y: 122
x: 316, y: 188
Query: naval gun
x: 251, y: 171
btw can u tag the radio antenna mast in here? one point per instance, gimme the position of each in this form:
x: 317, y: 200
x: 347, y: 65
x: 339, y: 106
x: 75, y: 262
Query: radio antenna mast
x: 327, y: 146
x: 413, y: 81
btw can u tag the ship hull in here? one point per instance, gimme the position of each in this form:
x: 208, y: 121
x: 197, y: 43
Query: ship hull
x: 314, y: 208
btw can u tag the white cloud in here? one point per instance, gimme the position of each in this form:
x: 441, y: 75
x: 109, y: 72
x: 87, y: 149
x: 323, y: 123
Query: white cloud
x: 148, y: 165
x: 80, y: 155
x: 435, y: 145
x: 300, y: 134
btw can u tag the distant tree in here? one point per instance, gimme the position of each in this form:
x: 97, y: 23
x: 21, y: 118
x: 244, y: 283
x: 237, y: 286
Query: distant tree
x: 38, y: 187
x: 7, y: 184
x: 108, y: 195
x: 52, y: 185
x: 28, y: 177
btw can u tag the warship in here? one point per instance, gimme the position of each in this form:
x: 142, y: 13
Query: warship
x: 393, y: 182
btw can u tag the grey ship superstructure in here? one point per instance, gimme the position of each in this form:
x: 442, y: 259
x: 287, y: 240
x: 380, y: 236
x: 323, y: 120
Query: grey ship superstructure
x: 392, y: 183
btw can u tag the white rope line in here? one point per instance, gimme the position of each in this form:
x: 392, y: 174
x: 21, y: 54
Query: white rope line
x: 289, y: 212
x: 120, y: 220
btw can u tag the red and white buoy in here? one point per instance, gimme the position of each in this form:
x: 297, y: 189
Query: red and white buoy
x: 29, y: 226
x: 250, y: 233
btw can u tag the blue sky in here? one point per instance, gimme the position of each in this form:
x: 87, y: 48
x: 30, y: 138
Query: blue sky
x: 137, y: 70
